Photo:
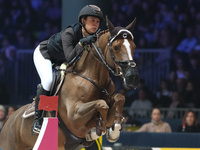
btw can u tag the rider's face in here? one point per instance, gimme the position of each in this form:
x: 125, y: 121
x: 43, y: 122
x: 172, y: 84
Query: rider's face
x: 92, y: 24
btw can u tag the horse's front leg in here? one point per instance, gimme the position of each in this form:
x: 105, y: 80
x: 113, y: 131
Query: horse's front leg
x: 115, y: 118
x: 94, y: 116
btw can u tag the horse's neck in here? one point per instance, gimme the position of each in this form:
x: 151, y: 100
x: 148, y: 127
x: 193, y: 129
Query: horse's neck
x: 89, y: 66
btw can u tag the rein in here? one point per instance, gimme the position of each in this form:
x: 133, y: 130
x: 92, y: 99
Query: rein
x: 103, y: 60
x: 101, y: 89
x: 100, y: 54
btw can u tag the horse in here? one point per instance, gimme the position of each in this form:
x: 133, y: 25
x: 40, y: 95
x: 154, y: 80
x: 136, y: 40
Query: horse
x: 88, y: 105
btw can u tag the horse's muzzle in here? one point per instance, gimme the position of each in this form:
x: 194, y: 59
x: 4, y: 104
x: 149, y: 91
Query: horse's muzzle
x: 131, y: 78
x: 130, y: 74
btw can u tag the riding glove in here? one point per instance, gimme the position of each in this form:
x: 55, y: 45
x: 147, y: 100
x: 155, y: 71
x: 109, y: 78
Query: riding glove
x: 88, y: 40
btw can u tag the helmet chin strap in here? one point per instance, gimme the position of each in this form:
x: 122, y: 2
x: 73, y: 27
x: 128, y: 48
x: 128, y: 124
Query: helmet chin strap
x: 83, y: 25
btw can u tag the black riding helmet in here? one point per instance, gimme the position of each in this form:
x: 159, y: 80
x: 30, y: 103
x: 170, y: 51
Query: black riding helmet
x: 90, y: 10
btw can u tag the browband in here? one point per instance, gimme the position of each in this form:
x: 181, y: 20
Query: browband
x: 124, y: 33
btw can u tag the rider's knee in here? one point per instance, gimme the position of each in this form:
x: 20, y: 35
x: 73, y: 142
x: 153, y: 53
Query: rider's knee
x: 47, y: 83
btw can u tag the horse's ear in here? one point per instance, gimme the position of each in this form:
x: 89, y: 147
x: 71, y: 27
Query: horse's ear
x: 131, y: 26
x: 109, y: 24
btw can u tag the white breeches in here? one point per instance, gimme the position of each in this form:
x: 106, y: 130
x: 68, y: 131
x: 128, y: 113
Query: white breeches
x: 44, y: 69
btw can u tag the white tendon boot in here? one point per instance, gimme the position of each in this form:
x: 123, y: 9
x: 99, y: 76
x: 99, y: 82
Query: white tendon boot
x: 91, y: 134
x: 113, y: 135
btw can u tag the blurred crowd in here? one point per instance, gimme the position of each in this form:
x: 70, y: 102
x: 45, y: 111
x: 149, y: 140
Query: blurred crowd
x: 24, y: 24
x: 165, y: 24
x: 187, y: 123
x: 27, y: 22
x: 5, y: 113
x: 160, y: 24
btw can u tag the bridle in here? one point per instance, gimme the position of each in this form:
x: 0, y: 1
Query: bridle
x: 117, y: 63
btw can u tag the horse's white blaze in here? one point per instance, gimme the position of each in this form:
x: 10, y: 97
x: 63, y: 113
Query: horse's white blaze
x: 127, y: 45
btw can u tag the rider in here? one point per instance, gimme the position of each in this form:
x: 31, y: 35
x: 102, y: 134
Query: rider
x: 63, y: 47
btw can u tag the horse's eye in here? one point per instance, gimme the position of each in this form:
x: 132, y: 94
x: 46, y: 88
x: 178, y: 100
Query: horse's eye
x: 116, y: 48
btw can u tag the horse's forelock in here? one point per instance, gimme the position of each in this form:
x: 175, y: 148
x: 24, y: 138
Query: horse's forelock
x: 102, y: 32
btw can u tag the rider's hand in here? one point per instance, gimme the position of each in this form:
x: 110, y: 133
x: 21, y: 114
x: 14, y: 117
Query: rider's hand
x: 88, y: 40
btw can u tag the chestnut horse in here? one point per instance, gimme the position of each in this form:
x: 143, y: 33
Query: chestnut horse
x: 88, y: 106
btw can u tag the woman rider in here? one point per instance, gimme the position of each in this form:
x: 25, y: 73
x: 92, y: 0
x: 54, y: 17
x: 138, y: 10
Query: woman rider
x: 63, y: 47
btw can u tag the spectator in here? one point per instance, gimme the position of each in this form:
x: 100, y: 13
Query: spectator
x: 190, y: 96
x: 129, y: 120
x: 10, y: 53
x: 164, y: 94
x: 176, y: 103
x: 165, y: 39
x: 2, y: 115
x: 156, y: 124
x: 195, y: 69
x: 11, y: 109
x: 172, y: 80
x: 181, y: 71
x: 53, y: 12
x: 180, y: 86
x: 142, y: 43
x: 158, y: 23
x: 131, y: 95
x: 189, y: 122
x: 134, y: 94
x: 142, y: 103
x: 188, y: 43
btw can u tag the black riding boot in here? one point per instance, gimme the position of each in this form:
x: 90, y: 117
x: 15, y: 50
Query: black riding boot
x: 38, y: 113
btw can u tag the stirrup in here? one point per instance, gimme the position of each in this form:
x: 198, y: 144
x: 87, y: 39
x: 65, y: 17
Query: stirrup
x: 35, y: 131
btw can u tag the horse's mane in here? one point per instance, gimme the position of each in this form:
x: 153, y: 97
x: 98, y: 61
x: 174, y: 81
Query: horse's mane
x: 102, y: 33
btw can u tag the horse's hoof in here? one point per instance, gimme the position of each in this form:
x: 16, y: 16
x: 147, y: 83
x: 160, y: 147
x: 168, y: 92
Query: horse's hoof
x: 91, y: 135
x: 113, y: 135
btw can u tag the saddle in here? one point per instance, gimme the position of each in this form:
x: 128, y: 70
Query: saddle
x: 58, y: 79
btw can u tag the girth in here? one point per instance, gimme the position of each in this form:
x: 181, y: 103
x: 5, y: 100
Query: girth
x: 71, y: 140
